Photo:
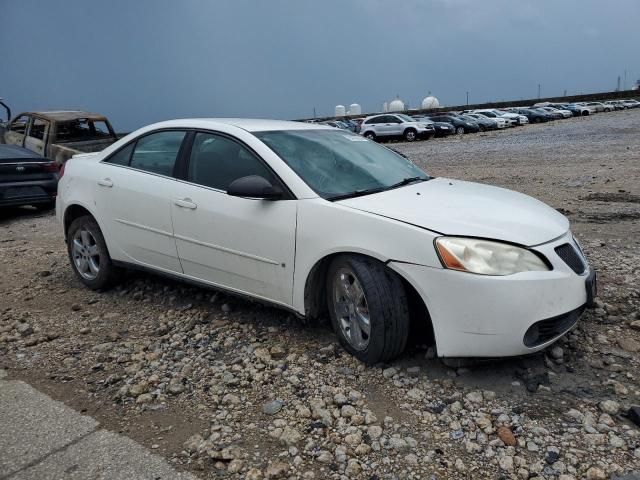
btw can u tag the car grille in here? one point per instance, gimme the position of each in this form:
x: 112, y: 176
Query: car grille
x: 546, y: 330
x: 569, y: 255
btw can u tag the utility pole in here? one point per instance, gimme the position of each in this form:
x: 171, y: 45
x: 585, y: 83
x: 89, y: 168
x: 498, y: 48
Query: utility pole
x: 624, y: 85
x: 565, y: 93
x: 618, y: 87
x: 314, y: 113
x: 538, y: 91
x: 467, y: 99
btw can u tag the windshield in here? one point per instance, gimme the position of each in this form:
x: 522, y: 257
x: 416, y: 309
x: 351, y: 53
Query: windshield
x: 341, y: 164
x: 406, y: 118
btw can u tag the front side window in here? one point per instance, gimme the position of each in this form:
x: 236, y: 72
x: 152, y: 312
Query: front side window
x: 19, y: 125
x: 337, y: 164
x: 157, y: 152
x: 216, y: 161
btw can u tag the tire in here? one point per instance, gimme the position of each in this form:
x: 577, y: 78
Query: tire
x: 536, y: 120
x: 585, y: 113
x: 370, y: 136
x: 482, y: 128
x: 410, y: 135
x: 459, y: 130
x: 377, y: 294
x: 89, y: 256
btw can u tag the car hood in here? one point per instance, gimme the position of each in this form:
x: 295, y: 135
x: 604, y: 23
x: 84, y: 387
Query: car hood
x: 455, y: 207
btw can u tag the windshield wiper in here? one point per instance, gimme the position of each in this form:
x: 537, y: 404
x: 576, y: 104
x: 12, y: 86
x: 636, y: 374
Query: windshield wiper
x: 368, y: 191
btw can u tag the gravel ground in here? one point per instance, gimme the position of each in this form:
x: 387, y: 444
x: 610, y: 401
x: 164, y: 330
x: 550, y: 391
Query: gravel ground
x: 226, y: 388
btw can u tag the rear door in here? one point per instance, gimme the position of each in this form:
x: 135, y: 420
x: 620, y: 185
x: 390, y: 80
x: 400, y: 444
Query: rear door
x: 243, y: 244
x: 37, y: 135
x: 133, y: 194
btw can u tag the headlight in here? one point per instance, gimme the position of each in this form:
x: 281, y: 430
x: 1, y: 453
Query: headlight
x: 486, y: 257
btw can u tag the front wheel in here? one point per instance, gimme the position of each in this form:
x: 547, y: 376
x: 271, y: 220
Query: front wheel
x: 370, y: 135
x: 410, y: 135
x: 460, y: 130
x: 368, y: 308
x: 89, y: 256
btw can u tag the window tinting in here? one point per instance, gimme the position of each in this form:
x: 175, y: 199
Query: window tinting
x: 122, y: 156
x: 157, y: 152
x: 216, y: 161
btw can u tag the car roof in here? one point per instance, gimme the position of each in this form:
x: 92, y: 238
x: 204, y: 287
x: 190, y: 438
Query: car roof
x: 66, y: 115
x: 15, y: 152
x: 248, y: 124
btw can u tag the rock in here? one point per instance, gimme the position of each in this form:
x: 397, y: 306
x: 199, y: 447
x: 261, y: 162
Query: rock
x: 635, y: 325
x: 192, y: 443
x: 353, y: 439
x: 553, y: 455
x: 374, y: 432
x: 634, y: 415
x: 262, y: 354
x: 398, y: 444
x: 594, y: 473
x: 474, y: 397
x: 24, y: 329
x: 416, y: 394
x: 76, y: 307
x: 253, y: 474
x: 226, y: 308
x: 138, y: 389
x: 347, y: 411
x: 340, y: 399
x: 506, y: 463
x: 290, y: 436
x: 609, y: 406
x: 144, y: 398
x: 389, y: 372
x: 506, y: 435
x: 353, y: 468
x: 616, y: 442
x: 176, y: 387
x: 230, y: 399
x: 556, y: 353
x: 324, y: 457
x: 235, y: 465
x: 629, y: 344
x: 277, y: 352
x: 272, y: 407
x: 413, y: 372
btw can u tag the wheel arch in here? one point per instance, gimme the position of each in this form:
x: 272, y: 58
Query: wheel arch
x: 77, y: 210
x: 315, y: 296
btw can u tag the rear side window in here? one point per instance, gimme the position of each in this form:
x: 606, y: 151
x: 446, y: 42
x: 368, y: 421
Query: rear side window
x: 216, y: 161
x: 157, y: 152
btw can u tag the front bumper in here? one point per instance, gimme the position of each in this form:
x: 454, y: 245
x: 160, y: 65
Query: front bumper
x: 490, y: 316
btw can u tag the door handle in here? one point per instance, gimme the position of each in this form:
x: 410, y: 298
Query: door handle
x: 185, y: 203
x: 105, y: 182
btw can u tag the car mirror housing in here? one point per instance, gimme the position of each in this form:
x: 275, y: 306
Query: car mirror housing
x: 255, y: 187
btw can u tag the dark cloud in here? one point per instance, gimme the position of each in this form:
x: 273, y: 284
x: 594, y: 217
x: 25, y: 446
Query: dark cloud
x: 149, y: 60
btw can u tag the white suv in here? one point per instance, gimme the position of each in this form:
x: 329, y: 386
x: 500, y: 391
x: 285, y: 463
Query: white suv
x: 395, y: 125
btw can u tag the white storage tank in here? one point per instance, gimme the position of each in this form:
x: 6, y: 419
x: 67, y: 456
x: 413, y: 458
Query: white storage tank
x: 355, y: 109
x: 340, y: 111
x: 430, y: 102
x: 396, y: 105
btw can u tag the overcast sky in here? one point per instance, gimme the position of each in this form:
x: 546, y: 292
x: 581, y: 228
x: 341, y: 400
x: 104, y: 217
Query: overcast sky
x: 147, y: 60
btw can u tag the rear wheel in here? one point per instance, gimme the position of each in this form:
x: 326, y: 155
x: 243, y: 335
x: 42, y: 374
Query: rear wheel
x: 460, y: 130
x: 410, y: 135
x: 537, y: 120
x: 88, y: 254
x: 368, y: 308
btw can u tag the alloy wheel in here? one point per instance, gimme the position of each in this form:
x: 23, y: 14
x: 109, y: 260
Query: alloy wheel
x: 351, y: 309
x: 85, y: 253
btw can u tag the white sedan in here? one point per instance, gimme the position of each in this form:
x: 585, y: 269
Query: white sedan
x: 318, y: 220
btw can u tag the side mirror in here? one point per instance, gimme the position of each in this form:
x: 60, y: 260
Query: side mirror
x: 254, y: 186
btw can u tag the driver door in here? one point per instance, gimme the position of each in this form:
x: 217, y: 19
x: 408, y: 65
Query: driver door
x: 17, y: 130
x: 242, y: 244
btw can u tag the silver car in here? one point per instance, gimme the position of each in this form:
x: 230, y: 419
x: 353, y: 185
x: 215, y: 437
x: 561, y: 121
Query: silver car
x: 395, y: 125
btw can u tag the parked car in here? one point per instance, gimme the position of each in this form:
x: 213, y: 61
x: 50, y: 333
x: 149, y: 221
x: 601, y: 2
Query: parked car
x: 521, y: 119
x: 59, y: 135
x: 461, y: 125
x: 396, y: 125
x: 564, y: 113
x: 597, y: 106
x: 313, y: 219
x: 512, y: 120
x: 442, y: 129
x: 631, y: 103
x: 336, y: 124
x: 26, y: 178
x: 616, y: 104
x: 556, y: 114
x: 533, y: 114
x: 500, y: 121
x: 579, y: 109
x: 483, y: 122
